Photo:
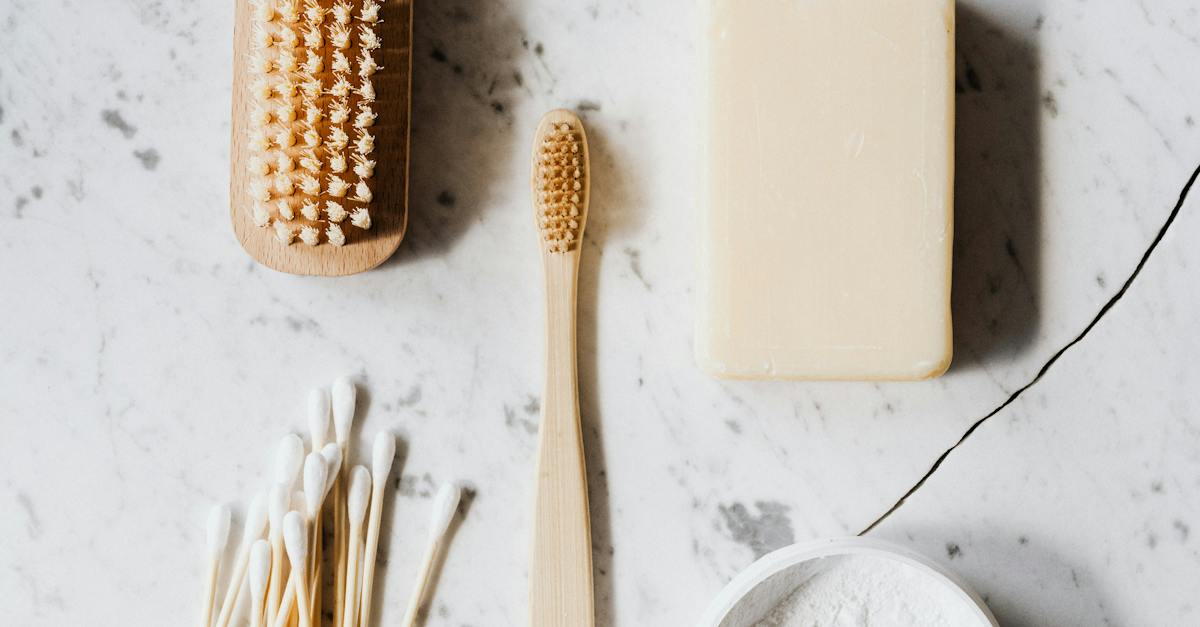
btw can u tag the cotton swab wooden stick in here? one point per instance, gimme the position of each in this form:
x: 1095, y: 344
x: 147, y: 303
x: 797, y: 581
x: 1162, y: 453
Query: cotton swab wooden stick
x: 358, y: 495
x: 260, y: 573
x: 344, y: 397
x: 252, y: 530
x: 217, y: 538
x: 382, y: 455
x: 445, y: 504
x: 278, y: 501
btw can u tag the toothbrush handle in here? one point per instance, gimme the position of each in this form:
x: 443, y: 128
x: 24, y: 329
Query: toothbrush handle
x: 561, y: 568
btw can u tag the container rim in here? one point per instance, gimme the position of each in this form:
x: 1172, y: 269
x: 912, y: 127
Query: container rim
x: 770, y: 564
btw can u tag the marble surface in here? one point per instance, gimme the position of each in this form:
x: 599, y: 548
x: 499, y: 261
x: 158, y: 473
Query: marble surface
x: 149, y: 367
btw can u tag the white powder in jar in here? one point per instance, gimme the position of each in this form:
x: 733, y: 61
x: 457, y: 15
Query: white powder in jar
x: 871, y: 591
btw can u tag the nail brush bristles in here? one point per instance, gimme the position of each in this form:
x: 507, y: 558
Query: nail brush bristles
x: 560, y: 188
x: 312, y: 63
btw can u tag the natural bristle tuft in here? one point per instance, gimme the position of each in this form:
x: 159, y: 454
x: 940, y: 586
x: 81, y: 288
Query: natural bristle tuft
x: 561, y: 187
x: 311, y: 76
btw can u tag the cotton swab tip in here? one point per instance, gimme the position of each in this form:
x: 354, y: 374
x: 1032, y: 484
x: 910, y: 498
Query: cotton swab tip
x: 382, y: 455
x: 445, y: 505
x: 318, y: 417
x: 256, y: 519
x: 278, y: 502
x: 218, y: 529
x: 316, y: 475
x: 345, y: 395
x: 333, y: 463
x: 288, y: 459
x: 295, y: 538
x: 359, y: 495
x: 260, y: 568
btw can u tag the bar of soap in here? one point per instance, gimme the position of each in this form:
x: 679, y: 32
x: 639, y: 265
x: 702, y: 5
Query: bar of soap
x: 826, y: 231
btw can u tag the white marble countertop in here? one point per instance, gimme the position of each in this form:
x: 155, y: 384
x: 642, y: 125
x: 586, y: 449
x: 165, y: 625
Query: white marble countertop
x: 148, y: 366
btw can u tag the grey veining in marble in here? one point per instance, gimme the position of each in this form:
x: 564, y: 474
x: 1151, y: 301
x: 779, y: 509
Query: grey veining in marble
x: 148, y: 366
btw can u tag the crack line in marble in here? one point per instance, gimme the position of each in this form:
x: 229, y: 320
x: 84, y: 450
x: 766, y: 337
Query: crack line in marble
x: 1162, y: 232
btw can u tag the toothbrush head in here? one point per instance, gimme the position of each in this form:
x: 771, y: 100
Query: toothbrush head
x: 382, y: 455
x: 218, y: 530
x: 260, y: 569
x: 359, y: 495
x: 333, y: 462
x: 445, y: 505
x: 316, y: 474
x: 344, y: 398
x: 560, y: 181
x: 295, y: 538
x: 256, y: 519
x: 318, y: 417
x: 289, y: 457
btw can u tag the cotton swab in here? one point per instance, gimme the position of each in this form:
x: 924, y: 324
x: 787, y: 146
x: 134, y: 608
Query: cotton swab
x: 315, y: 477
x: 318, y: 417
x: 332, y: 455
x: 252, y: 530
x: 318, y: 429
x: 445, y: 504
x: 344, y: 397
x: 217, y: 538
x: 316, y: 472
x: 295, y: 539
x: 358, y: 495
x: 382, y: 455
x: 260, y: 574
x: 277, y: 507
x: 333, y: 463
x: 289, y: 457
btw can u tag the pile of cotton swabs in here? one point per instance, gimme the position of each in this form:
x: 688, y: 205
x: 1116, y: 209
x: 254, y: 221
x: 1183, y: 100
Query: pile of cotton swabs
x: 279, y: 577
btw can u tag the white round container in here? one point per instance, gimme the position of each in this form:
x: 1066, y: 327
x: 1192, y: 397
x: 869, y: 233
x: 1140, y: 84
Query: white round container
x: 767, y: 582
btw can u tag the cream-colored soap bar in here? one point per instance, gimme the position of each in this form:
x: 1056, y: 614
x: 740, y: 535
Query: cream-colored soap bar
x: 826, y: 238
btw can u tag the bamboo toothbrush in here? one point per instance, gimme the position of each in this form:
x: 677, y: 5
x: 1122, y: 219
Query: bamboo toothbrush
x: 358, y: 495
x: 260, y: 573
x: 217, y: 538
x: 278, y: 500
x: 344, y: 398
x: 445, y: 504
x: 252, y: 530
x: 561, y: 568
x: 382, y: 455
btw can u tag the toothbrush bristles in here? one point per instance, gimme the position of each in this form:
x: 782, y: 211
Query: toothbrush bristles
x: 560, y: 187
x: 311, y: 62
